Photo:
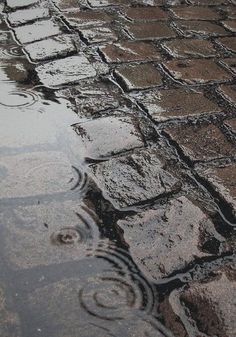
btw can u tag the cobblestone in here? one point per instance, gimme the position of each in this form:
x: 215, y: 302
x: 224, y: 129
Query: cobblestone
x: 230, y: 63
x: 195, y: 13
x: 98, y: 35
x: 27, y: 15
x: 228, y: 92
x: 205, y: 28
x: 228, y: 43
x: 146, y: 13
x: 87, y: 18
x: 24, y: 3
x: 150, y: 31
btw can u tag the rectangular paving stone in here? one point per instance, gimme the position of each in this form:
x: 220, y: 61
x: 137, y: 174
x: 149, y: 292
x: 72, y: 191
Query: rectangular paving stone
x: 134, y: 179
x: 103, y: 137
x: 229, y: 43
x: 54, y: 47
x: 150, y: 31
x: 176, y: 103
x: 195, y: 13
x: 65, y: 5
x: 202, y: 142
x: 184, y: 48
x: 98, y: 35
x: 208, y: 307
x: 65, y: 71
x: 18, y: 4
x: 128, y: 51
x: 199, y: 71
x: 230, y: 24
x: 23, y: 16
x: 140, y: 76
x: 230, y: 63
x: 48, y: 234
x: 228, y: 92
x: 87, y: 18
x: 37, y: 31
x: 168, y: 239
x: 145, y: 13
x: 205, y: 28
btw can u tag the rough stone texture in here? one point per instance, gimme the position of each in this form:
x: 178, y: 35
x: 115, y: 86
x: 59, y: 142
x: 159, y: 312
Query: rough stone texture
x: 23, y: 16
x: 107, y: 136
x: 87, y: 18
x: 229, y: 43
x: 231, y: 123
x: 150, y: 31
x: 202, y: 142
x: 65, y: 5
x: 230, y: 63
x: 197, y: 71
x: 146, y: 13
x: 195, y: 13
x: 24, y: 3
x: 231, y: 25
x: 98, y: 35
x: 184, y: 48
x: 61, y: 72
x: 37, y: 31
x: 130, y: 51
x: 54, y: 47
x: 207, y: 308
x: 176, y: 103
x: 134, y: 178
x: 228, y: 92
x: 223, y: 180
x: 42, y: 230
x: 166, y: 240
x: 205, y: 28
x: 139, y: 76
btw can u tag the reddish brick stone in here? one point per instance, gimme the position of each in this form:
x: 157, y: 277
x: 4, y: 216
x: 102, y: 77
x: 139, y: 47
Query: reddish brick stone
x: 204, y: 142
x: 230, y: 63
x: 229, y: 43
x: 197, y: 71
x: 176, y: 103
x: 205, y: 28
x: 128, y: 51
x: 150, y: 31
x: 195, y: 13
x: 145, y: 13
x: 184, y: 48
x: 228, y: 92
x: 140, y: 76
x: 230, y: 24
x: 87, y: 18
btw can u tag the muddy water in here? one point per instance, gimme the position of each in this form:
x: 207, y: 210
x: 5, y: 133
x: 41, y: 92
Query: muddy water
x: 64, y: 268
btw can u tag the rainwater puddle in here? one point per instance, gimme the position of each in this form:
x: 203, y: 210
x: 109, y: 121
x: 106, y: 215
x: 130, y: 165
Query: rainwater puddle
x: 61, y: 275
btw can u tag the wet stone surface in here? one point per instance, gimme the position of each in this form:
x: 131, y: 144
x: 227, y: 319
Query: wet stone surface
x: 27, y: 15
x: 150, y: 31
x: 24, y: 3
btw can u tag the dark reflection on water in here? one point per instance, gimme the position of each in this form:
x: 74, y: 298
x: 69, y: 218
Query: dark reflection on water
x: 60, y: 274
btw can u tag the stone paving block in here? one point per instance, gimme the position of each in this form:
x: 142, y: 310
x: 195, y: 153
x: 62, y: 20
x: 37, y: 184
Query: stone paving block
x: 23, y: 16
x: 230, y: 63
x: 166, y: 240
x: 205, y: 28
x: 9, y: 320
x: 98, y: 35
x: 150, y: 31
x: 195, y: 13
x: 145, y: 14
x: 18, y: 4
x: 134, y: 179
x: 103, y: 137
x: 209, y: 2
x: 228, y: 92
x: 140, y: 76
x: 184, y: 48
x: 176, y: 103
x: 65, y: 71
x: 35, y: 173
x: 37, y: 31
x: 207, y: 308
x: 65, y: 5
x: 54, y: 47
x: 88, y: 18
x: 199, y: 71
x: 128, y: 51
x: 231, y: 124
x: 229, y: 43
x: 106, y: 3
x: 52, y: 233
x: 202, y: 143
x: 230, y: 24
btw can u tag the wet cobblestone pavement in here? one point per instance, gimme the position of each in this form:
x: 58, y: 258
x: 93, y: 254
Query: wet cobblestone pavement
x: 117, y: 168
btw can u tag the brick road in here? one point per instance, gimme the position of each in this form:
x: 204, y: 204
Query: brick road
x: 152, y: 84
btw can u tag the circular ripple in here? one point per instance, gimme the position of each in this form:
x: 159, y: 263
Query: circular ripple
x: 118, y: 291
x: 18, y: 98
x: 81, y: 180
x: 12, y: 51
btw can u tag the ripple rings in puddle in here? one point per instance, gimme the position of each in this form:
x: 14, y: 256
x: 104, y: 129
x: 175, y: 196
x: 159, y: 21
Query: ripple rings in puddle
x: 81, y: 181
x: 19, y: 99
x: 11, y: 51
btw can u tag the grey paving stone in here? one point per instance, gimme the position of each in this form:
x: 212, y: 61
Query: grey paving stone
x: 103, y: 137
x: 37, y: 31
x: 167, y: 239
x: 57, y: 46
x: 64, y: 71
x: 23, y: 16
x: 98, y: 35
x: 134, y: 178
x: 18, y: 4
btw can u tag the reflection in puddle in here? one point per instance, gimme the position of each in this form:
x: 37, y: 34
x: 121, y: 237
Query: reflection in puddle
x: 18, y: 98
